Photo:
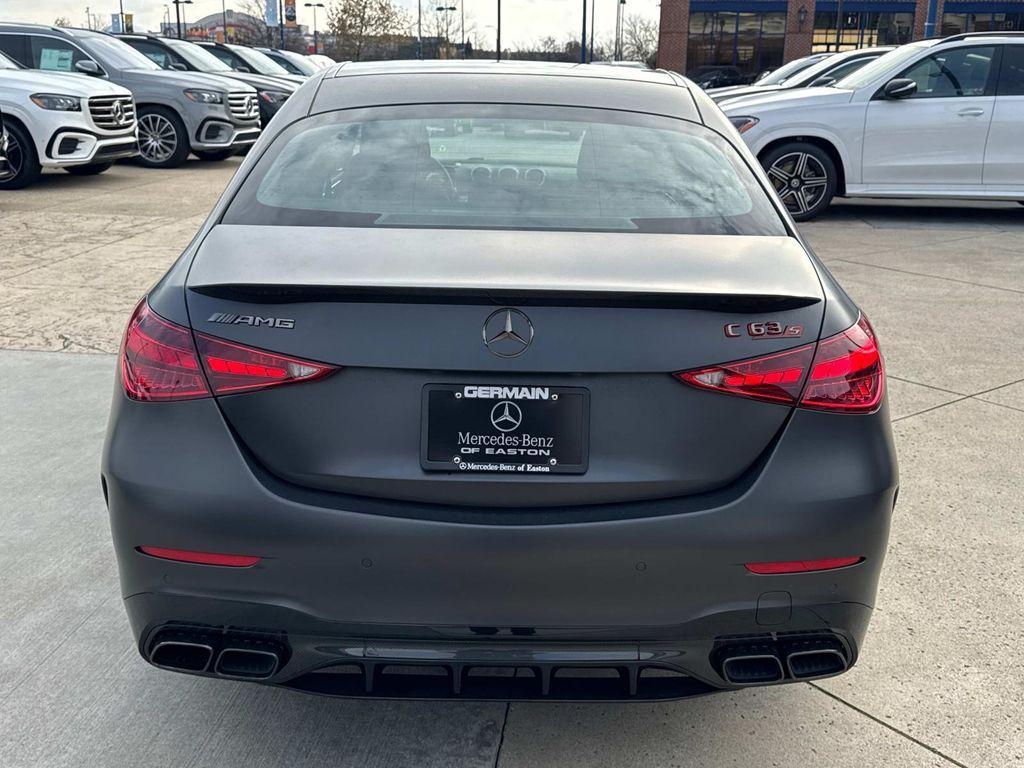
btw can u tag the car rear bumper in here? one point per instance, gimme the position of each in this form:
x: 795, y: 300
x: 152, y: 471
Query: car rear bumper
x: 372, y: 584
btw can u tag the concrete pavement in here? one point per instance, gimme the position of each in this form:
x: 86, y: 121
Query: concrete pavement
x: 937, y: 684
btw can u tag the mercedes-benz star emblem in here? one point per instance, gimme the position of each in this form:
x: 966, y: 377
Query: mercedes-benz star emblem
x: 507, y: 332
x: 506, y: 416
x: 118, y: 113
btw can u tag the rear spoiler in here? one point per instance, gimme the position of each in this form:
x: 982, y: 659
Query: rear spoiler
x: 279, y: 264
x: 252, y: 293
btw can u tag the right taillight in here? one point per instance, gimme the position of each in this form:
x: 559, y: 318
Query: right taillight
x: 847, y: 373
x: 843, y: 373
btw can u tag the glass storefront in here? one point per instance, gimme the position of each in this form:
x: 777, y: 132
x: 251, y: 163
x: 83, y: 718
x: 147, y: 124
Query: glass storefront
x: 958, y: 23
x: 860, y: 29
x: 750, y: 42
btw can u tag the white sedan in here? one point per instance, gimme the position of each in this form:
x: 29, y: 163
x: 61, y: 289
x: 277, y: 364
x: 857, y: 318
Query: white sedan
x: 932, y: 119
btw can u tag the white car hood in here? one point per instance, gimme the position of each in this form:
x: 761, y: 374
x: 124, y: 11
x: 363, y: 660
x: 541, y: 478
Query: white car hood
x: 793, y: 98
x: 66, y: 83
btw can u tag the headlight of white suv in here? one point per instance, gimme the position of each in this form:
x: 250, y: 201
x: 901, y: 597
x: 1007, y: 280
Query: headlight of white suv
x: 57, y: 102
x: 205, y: 97
x: 743, y: 124
x: 274, y: 97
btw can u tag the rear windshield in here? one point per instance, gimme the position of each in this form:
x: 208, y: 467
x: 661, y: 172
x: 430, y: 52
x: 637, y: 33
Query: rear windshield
x: 507, y: 167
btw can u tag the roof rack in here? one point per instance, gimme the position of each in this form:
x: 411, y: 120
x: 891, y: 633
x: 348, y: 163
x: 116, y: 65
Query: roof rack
x: 969, y: 35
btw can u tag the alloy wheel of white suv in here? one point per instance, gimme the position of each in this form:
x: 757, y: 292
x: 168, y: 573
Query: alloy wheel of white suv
x: 22, y: 164
x: 804, y: 177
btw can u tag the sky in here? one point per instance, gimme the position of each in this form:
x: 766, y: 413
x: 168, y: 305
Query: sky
x: 521, y: 20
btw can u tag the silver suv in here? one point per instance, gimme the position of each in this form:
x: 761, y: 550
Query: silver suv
x: 178, y: 112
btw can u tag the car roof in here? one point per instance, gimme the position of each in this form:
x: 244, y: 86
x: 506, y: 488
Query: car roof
x: 508, y: 67
x: 363, y: 84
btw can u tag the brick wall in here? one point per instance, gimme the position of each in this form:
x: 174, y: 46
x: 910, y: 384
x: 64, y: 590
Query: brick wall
x: 798, y: 39
x: 672, y: 38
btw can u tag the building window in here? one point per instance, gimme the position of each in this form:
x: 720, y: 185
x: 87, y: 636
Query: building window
x: 958, y: 23
x: 740, y: 45
x: 860, y: 30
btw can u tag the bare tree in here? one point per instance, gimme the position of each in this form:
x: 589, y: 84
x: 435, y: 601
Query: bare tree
x: 639, y: 39
x: 259, y: 33
x: 62, y: 21
x: 357, y: 26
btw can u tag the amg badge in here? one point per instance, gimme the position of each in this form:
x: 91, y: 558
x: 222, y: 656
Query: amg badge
x: 253, y: 320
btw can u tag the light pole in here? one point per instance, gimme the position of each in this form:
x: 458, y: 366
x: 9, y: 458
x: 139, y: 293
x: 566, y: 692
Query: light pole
x: 120, y: 8
x: 224, y: 18
x: 280, y: 21
x: 462, y: 26
x: 583, y: 36
x: 618, y: 30
x: 419, y: 29
x: 445, y: 9
x: 498, y: 28
x: 314, y: 6
x: 177, y: 12
x: 593, y: 18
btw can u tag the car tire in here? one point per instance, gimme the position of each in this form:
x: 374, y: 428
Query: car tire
x: 93, y: 169
x: 163, y: 140
x: 804, y: 177
x: 22, y: 160
x: 212, y: 156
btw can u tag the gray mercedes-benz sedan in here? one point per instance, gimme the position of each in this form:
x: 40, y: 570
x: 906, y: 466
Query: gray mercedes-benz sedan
x: 500, y: 380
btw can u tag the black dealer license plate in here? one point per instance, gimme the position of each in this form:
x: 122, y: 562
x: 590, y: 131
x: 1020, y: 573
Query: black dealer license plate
x: 499, y: 428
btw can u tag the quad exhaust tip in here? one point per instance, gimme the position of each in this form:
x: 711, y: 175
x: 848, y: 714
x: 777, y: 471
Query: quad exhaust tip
x: 246, y: 664
x: 764, y: 660
x: 757, y: 669
x: 207, y: 651
x: 824, y: 662
x: 181, y: 656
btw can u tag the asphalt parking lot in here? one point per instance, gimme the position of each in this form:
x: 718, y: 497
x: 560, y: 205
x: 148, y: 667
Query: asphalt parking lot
x: 939, y: 681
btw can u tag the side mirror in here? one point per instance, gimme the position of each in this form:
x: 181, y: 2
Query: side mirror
x: 177, y: 65
x: 900, y: 88
x: 825, y: 81
x: 89, y: 67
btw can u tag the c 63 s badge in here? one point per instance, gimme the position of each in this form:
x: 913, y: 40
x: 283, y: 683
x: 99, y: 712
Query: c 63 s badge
x: 763, y: 330
x: 255, y: 321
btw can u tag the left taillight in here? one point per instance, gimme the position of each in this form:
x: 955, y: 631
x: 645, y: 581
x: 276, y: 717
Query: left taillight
x: 160, y: 361
x: 843, y: 373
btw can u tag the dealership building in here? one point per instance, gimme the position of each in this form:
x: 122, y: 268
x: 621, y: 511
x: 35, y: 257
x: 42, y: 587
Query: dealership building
x: 756, y: 35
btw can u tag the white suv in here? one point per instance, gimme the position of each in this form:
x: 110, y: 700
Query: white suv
x: 936, y: 118
x: 54, y: 120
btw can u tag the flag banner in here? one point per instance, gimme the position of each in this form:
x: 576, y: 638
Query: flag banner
x: 290, y: 19
x: 272, y: 13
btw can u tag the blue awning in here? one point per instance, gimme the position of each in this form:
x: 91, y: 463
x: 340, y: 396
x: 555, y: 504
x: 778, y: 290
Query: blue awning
x: 977, y: 6
x: 737, y: 6
x: 867, y: 6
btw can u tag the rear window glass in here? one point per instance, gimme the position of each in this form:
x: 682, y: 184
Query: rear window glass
x: 504, y: 168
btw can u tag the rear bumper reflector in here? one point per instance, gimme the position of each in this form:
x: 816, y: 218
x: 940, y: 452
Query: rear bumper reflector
x: 200, y: 558
x: 803, y: 566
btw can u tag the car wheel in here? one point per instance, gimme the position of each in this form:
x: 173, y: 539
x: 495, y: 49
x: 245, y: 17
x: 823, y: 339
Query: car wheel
x: 22, y: 161
x: 88, y: 170
x: 804, y: 177
x: 214, y: 155
x: 163, y: 141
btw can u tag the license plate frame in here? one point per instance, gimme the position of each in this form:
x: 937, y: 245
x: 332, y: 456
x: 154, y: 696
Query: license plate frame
x: 541, y: 423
